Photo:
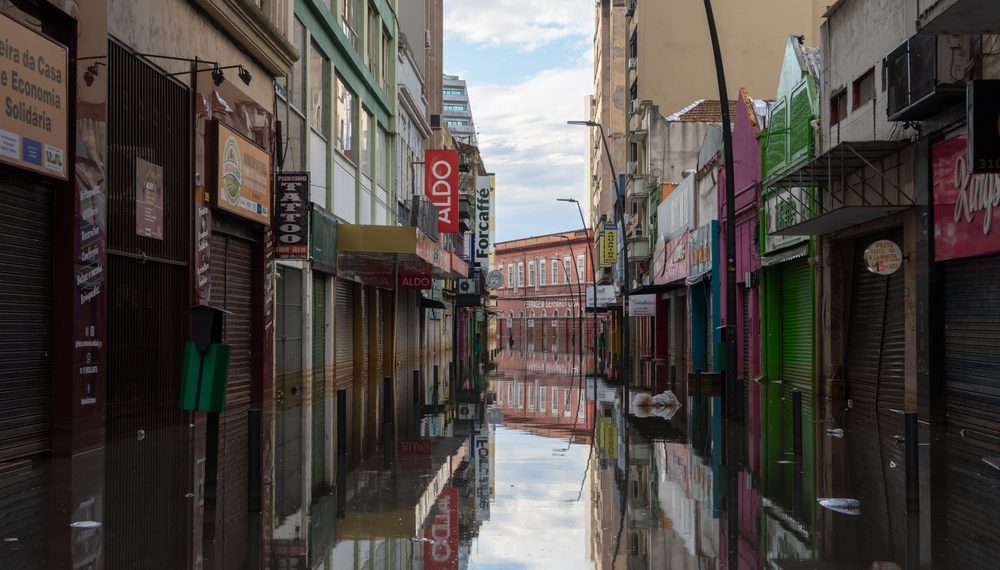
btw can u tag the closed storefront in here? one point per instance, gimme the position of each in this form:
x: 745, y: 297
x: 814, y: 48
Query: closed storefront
x: 967, y: 247
x: 289, y: 396
x: 148, y: 457
x: 319, y: 399
x: 344, y: 351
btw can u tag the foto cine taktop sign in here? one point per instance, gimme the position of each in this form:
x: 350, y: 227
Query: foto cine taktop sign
x: 441, y: 186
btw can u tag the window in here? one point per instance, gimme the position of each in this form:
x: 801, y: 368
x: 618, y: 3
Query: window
x: 453, y: 91
x: 319, y: 91
x: 387, y: 61
x: 510, y: 275
x: 555, y: 271
x: 350, y: 15
x: 579, y: 268
x: 454, y: 107
x: 531, y: 274
x: 838, y: 107
x: 345, y: 114
x: 510, y: 394
x: 863, y: 89
x: 568, y: 271
x: 384, y: 164
x: 555, y: 401
x: 566, y: 407
x: 532, y: 395
x: 541, y: 272
x: 374, y: 40
x: 294, y: 90
x: 520, y: 274
x: 541, y: 399
x: 457, y: 123
x: 363, y: 144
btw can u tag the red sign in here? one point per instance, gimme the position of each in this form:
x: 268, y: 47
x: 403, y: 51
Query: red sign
x: 441, y: 532
x: 414, y: 281
x: 965, y: 204
x: 441, y: 186
x: 416, y: 447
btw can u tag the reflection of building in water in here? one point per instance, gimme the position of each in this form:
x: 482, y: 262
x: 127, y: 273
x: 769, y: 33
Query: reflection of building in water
x: 542, y: 396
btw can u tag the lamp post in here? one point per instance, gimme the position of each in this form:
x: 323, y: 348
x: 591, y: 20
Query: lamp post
x: 579, y: 293
x: 729, y: 392
x: 593, y: 275
x: 620, y: 214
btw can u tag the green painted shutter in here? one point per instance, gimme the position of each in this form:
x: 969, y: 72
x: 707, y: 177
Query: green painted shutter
x: 797, y: 347
x: 800, y: 132
x: 776, y: 145
x: 319, y: 382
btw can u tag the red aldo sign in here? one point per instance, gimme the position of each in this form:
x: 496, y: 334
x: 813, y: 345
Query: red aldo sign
x: 441, y: 186
x: 441, y: 533
x: 415, y: 281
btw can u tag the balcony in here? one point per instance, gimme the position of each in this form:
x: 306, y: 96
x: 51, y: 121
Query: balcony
x: 850, y: 184
x: 958, y: 16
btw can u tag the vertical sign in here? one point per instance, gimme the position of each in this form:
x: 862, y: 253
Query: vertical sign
x: 441, y: 186
x: 483, y: 461
x: 291, y: 216
x: 609, y: 248
x: 148, y: 199
x: 483, y: 228
x: 33, y: 88
x: 441, y: 533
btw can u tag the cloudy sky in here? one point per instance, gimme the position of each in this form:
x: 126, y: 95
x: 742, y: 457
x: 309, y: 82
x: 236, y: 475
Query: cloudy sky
x: 529, y: 65
x: 535, y: 521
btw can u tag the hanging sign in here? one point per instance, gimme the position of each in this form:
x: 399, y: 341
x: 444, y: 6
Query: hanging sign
x: 441, y: 186
x: 965, y: 205
x: 291, y: 216
x: 148, y: 199
x: 483, y: 226
x: 883, y: 257
x: 33, y: 88
x: 243, y: 176
x: 983, y: 100
x: 642, y: 305
x: 609, y: 245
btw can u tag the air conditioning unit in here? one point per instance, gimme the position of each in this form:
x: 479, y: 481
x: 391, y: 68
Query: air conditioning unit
x: 631, y: 167
x: 632, y: 63
x: 924, y: 75
x: 468, y: 286
x: 435, y: 121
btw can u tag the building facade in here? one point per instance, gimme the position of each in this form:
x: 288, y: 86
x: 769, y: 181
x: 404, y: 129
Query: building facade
x: 456, y: 110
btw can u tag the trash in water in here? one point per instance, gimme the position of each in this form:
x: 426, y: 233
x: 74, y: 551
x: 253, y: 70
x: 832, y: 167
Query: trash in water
x: 835, y: 432
x: 993, y: 462
x: 845, y: 506
x: 663, y: 405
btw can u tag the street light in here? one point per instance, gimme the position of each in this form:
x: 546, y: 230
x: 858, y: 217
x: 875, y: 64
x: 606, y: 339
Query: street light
x: 579, y: 292
x: 593, y: 273
x: 620, y: 214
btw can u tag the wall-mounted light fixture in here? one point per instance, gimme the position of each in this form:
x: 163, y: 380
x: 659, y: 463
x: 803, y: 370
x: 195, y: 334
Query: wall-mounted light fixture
x: 217, y: 71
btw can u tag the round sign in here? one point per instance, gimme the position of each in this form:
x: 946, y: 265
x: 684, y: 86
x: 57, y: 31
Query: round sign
x: 883, y: 257
x: 494, y: 279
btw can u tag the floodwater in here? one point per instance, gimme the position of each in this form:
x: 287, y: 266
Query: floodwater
x: 552, y: 475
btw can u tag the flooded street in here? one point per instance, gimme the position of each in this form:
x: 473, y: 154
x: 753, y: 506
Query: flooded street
x: 547, y: 474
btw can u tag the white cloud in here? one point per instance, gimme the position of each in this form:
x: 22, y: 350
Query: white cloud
x: 525, y: 24
x: 536, y: 156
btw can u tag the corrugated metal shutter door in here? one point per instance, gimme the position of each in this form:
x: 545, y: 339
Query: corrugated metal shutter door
x: 289, y: 397
x: 797, y: 347
x: 344, y: 326
x: 874, y: 372
x: 232, y: 290
x: 319, y: 382
x: 26, y: 306
x: 709, y: 343
x: 972, y: 406
x: 365, y: 334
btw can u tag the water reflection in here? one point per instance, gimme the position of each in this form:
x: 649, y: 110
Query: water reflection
x: 545, y: 471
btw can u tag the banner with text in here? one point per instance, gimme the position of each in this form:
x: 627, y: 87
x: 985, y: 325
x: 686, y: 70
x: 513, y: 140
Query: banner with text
x: 441, y: 186
x: 965, y: 204
x: 33, y: 88
x: 291, y: 216
x: 482, y: 234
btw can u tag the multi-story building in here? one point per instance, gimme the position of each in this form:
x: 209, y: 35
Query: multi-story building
x: 540, y: 306
x: 456, y: 110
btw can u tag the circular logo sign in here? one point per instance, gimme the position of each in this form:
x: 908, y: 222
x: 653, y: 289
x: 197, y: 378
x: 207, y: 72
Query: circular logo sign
x: 883, y: 257
x: 494, y: 279
x: 231, y: 176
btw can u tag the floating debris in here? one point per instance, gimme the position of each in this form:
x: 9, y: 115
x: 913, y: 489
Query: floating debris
x: 663, y: 405
x: 835, y: 432
x: 845, y: 506
x: 993, y: 462
x: 85, y: 524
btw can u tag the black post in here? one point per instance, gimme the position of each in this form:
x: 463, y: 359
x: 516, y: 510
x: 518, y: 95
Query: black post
x: 730, y: 278
x: 254, y: 483
x: 437, y: 380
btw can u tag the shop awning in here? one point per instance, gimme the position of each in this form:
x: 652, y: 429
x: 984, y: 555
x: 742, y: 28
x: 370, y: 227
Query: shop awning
x: 654, y: 288
x: 370, y: 254
x: 797, y: 252
x: 852, y: 183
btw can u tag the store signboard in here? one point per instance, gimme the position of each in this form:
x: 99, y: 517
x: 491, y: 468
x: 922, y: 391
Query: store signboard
x: 606, y: 294
x: 701, y: 248
x: 966, y: 205
x: 243, y: 176
x: 441, y: 533
x: 642, y: 305
x: 291, y: 216
x: 482, y: 235
x: 148, y: 199
x: 35, y: 100
x: 441, y: 186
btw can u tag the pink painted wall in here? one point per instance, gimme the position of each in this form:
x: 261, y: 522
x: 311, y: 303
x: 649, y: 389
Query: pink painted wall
x: 746, y: 175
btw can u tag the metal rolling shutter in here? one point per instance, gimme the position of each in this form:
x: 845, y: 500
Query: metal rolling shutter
x: 972, y: 407
x: 709, y: 344
x: 874, y: 375
x: 797, y: 347
x: 288, y: 401
x: 403, y: 332
x: 364, y: 372
x: 232, y: 290
x: 344, y: 327
x: 26, y: 306
x: 319, y: 382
